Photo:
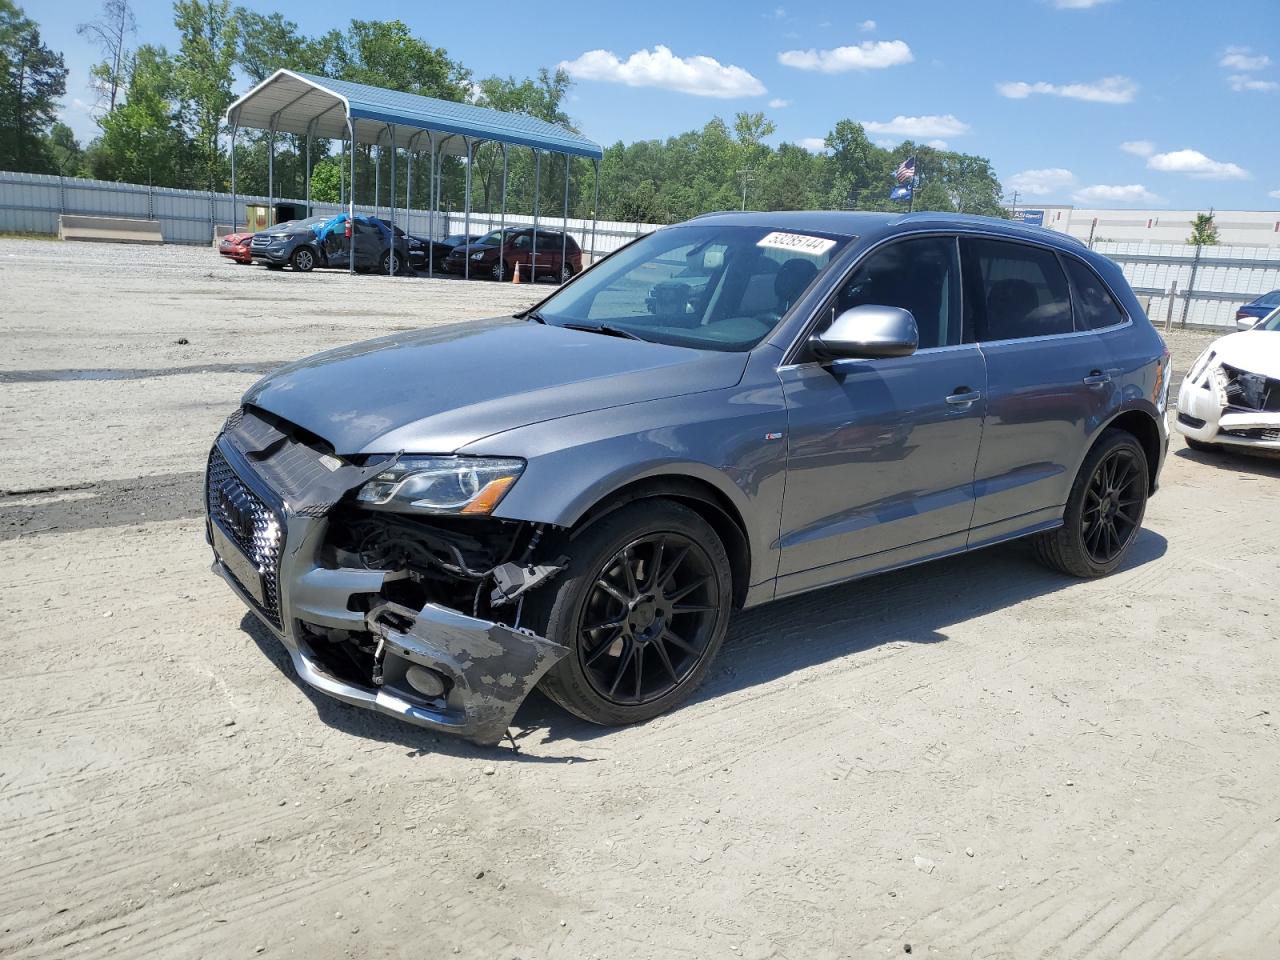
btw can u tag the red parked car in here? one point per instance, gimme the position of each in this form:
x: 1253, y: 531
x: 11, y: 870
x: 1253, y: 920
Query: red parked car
x: 236, y: 246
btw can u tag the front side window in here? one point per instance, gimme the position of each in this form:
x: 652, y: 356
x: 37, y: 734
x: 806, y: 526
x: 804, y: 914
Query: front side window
x: 1016, y: 290
x: 1095, y: 307
x: 921, y: 275
x: 705, y: 286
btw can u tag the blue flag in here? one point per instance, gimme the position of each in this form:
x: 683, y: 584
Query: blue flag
x: 901, y: 192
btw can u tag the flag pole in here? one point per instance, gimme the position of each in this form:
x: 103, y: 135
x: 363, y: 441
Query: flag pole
x: 915, y: 179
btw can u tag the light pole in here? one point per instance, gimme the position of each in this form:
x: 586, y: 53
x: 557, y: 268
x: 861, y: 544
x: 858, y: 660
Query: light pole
x: 746, y: 176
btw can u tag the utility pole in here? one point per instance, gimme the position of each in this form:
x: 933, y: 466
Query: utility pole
x: 1013, y: 206
x: 746, y: 176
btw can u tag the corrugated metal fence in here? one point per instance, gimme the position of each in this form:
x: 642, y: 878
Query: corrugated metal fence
x: 1210, y: 281
x: 32, y: 203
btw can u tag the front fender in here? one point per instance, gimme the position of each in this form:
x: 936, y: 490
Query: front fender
x: 731, y: 440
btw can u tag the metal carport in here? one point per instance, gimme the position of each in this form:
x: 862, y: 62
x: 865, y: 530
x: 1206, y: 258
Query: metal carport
x: 311, y: 106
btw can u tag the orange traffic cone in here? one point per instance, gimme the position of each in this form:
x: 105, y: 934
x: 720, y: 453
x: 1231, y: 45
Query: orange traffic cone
x: 515, y: 277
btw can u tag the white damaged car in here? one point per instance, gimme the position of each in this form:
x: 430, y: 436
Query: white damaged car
x: 1231, y: 396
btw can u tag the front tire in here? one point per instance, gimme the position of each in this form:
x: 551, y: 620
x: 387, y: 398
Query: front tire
x: 303, y: 260
x: 1104, y: 510
x: 643, y: 607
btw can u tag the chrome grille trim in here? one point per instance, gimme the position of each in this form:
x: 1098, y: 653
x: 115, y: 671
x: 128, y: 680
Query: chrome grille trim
x: 261, y: 536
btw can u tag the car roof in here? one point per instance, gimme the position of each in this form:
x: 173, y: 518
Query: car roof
x: 870, y: 226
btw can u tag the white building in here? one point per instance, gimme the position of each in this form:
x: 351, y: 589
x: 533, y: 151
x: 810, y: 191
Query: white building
x: 1258, y: 228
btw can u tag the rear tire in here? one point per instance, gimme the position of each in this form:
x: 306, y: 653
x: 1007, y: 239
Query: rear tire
x: 630, y: 662
x: 1104, y: 510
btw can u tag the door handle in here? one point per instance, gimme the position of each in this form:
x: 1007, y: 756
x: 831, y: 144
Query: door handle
x: 1097, y: 378
x: 963, y: 397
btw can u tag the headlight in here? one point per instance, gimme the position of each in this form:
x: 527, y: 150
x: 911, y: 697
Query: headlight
x: 467, y: 486
x: 478, y: 255
x: 279, y: 236
x: 1197, y: 368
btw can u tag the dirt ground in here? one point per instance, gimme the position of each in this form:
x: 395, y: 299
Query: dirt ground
x: 976, y: 758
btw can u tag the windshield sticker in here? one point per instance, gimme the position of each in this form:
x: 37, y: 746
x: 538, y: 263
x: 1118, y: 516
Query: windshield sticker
x: 799, y: 242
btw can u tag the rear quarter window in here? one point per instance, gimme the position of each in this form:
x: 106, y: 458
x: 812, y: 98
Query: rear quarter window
x: 1095, y: 307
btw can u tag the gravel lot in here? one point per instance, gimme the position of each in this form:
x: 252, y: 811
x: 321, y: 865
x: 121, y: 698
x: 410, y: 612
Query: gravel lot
x: 978, y: 758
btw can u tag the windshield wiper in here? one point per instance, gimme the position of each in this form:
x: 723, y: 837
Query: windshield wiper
x: 535, y: 316
x: 605, y: 329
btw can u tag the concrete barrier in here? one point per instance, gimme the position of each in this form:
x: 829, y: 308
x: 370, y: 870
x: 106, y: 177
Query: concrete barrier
x: 109, y: 229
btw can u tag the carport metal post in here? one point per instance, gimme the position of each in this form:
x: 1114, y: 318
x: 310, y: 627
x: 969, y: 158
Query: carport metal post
x: 466, y: 209
x: 391, y: 203
x: 310, y: 131
x: 271, y: 172
x: 595, y: 209
x: 408, y: 187
x: 351, y: 199
x: 537, y: 194
x: 431, y: 203
x: 564, y: 234
x: 502, y: 218
x: 235, y: 126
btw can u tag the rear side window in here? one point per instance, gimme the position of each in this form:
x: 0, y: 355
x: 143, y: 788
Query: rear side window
x: 1016, y: 290
x: 1095, y: 307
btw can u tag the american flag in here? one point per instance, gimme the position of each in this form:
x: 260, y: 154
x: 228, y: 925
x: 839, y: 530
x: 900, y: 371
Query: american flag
x: 906, y: 170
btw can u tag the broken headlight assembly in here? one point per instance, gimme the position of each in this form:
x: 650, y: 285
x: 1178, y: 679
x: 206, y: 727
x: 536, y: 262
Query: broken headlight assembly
x: 454, y: 486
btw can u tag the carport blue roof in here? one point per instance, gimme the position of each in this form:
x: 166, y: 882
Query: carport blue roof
x: 300, y: 103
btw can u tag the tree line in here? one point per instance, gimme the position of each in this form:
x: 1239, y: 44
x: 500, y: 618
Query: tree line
x: 161, y: 120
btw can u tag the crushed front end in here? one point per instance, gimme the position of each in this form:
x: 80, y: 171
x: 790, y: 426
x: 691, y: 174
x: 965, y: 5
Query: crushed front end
x: 415, y: 617
x: 1224, y: 403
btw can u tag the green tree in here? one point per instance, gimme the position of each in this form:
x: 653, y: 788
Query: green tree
x: 143, y: 140
x: 33, y: 78
x: 65, y: 150
x: 203, y: 68
x: 110, y: 32
x: 1204, y: 232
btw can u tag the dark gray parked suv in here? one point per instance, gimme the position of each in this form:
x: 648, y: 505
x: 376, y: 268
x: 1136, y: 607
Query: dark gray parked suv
x: 739, y: 408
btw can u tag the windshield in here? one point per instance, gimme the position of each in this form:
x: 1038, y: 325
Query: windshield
x: 492, y: 237
x: 454, y: 239
x: 1270, y: 322
x: 711, y: 287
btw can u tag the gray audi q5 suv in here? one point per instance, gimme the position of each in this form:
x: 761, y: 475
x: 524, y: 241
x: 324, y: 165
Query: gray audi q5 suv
x: 735, y: 409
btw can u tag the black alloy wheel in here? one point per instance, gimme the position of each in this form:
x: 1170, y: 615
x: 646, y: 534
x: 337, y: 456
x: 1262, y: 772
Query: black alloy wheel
x: 1104, y: 509
x: 648, y: 619
x: 643, y: 608
x: 1113, y: 505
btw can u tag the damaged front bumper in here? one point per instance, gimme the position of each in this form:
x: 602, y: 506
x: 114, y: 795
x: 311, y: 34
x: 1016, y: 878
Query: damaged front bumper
x: 434, y: 666
x: 1224, y: 405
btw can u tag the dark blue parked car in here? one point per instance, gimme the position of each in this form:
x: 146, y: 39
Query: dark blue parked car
x: 1255, y: 310
x: 735, y: 409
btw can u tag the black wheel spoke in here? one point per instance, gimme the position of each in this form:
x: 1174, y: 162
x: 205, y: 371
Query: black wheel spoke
x: 639, y: 669
x: 691, y: 608
x: 623, y: 662
x: 670, y: 572
x: 613, y: 591
x: 602, y: 648
x: 629, y: 573
x: 660, y: 648
x: 678, y: 595
x: 655, y: 564
x: 677, y: 641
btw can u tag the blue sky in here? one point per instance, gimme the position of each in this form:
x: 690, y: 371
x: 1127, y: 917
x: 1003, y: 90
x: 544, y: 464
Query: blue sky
x: 1141, y: 103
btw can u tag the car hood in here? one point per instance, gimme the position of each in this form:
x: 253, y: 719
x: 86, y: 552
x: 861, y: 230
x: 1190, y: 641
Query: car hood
x: 466, y: 249
x: 1257, y: 351
x: 435, y: 391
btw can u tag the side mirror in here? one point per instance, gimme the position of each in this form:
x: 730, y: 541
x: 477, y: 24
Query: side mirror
x: 868, y: 332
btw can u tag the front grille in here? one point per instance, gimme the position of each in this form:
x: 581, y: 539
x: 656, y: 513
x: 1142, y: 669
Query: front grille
x: 1259, y: 433
x: 250, y: 524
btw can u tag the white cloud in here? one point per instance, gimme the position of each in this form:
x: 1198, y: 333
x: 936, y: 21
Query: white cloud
x: 1241, y: 83
x: 938, y: 144
x: 777, y: 103
x: 1196, y: 164
x: 868, y: 55
x: 1133, y: 193
x: 1077, y: 4
x: 1274, y: 194
x: 1040, y: 183
x: 918, y: 128
x: 814, y: 144
x: 1107, y: 90
x: 779, y: 12
x: 867, y: 26
x: 1139, y: 148
x: 1243, y: 58
x: 659, y: 67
